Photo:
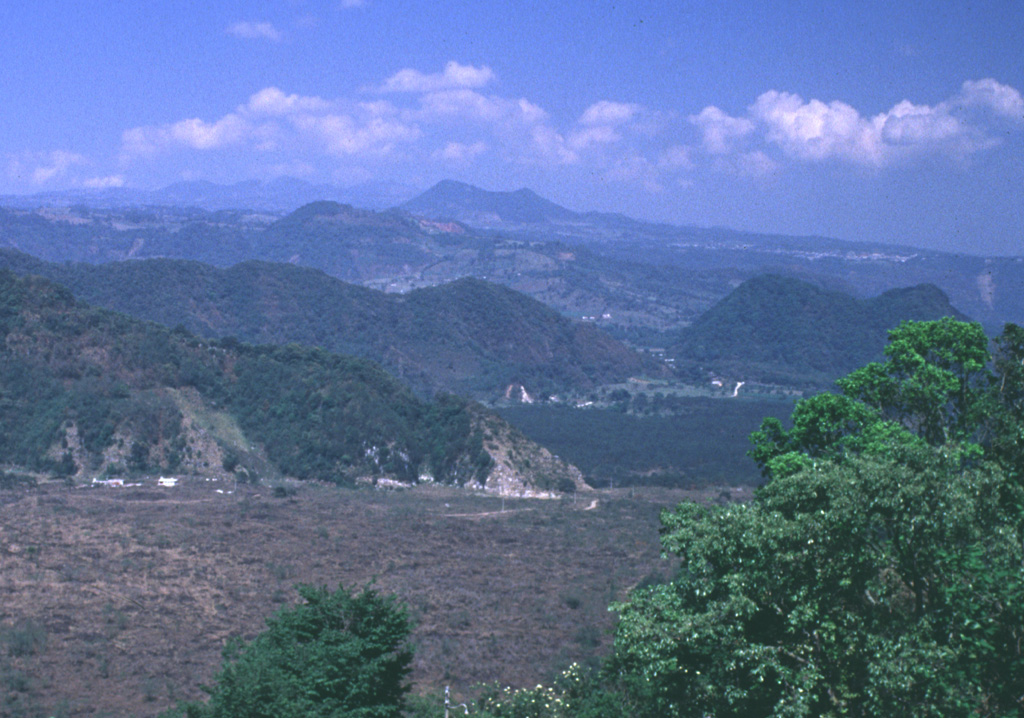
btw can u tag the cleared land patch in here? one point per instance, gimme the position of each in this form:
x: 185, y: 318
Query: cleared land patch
x: 118, y: 601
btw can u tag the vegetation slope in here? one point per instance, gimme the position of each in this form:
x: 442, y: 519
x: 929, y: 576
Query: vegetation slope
x: 85, y: 391
x: 470, y: 336
x: 789, y: 331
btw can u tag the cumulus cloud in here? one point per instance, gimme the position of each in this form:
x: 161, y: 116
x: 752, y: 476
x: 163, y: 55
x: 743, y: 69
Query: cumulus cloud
x: 345, y: 135
x: 470, y: 104
x: 272, y: 101
x: 910, y: 124
x: 1001, y: 99
x: 606, y: 112
x: 814, y: 131
x: 720, y: 131
x: 415, y: 114
x: 193, y: 133
x: 271, y: 119
x: 521, y: 128
x: 453, y: 76
x: 417, y: 118
x: 255, y: 31
x: 590, y: 136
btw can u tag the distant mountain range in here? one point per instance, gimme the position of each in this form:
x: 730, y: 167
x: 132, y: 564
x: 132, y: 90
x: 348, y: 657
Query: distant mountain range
x: 784, y: 330
x: 633, y: 278
x: 87, y: 392
x: 470, y: 336
x: 282, y: 194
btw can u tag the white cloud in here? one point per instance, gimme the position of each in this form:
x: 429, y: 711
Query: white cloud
x: 590, y: 136
x: 104, y: 182
x: 454, y: 76
x: 344, y: 135
x: 720, y: 130
x: 194, y: 133
x: 460, y: 151
x: 255, y: 31
x: 1001, y: 99
x: 446, y: 117
x: 228, y: 130
x: 549, y: 146
x: 815, y: 131
x: 272, y: 101
x: 51, y: 165
x: 910, y: 124
x: 272, y: 119
x: 606, y: 112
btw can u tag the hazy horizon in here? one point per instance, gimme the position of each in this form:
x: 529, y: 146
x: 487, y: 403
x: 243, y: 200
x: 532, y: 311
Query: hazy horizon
x: 858, y: 121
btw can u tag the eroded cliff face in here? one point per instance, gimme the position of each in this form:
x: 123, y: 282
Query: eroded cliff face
x: 522, y: 467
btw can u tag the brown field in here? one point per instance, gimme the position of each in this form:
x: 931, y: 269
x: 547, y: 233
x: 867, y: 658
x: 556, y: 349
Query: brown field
x: 117, y: 602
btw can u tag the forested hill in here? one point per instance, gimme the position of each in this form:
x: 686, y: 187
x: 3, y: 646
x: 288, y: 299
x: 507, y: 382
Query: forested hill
x: 86, y: 391
x: 470, y: 336
x: 782, y: 329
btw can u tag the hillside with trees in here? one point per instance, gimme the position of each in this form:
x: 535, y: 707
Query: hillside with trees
x: 86, y: 391
x: 783, y: 330
x: 647, y: 278
x: 470, y: 336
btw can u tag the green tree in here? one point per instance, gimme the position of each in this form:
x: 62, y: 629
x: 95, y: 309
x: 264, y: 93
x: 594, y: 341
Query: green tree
x: 863, y: 589
x: 932, y: 390
x: 337, y: 654
x: 1005, y: 408
x: 932, y: 379
x: 877, y: 573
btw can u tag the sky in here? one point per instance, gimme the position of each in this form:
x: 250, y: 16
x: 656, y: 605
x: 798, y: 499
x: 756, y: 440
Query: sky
x: 899, y: 122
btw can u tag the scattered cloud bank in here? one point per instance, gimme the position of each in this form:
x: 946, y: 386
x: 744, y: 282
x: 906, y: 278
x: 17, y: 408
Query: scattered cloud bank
x: 454, y: 76
x: 456, y: 118
x: 37, y: 169
x: 814, y: 131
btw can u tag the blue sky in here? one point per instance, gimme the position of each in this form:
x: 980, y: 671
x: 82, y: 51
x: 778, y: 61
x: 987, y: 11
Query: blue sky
x: 899, y: 122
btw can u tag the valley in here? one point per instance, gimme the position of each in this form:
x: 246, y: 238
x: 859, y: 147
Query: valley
x: 478, y: 402
x: 117, y: 601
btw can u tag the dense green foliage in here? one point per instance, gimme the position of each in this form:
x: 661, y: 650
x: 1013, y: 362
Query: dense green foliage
x: 879, y: 570
x: 865, y: 589
x: 337, y: 654
x: 784, y: 330
x: 69, y: 372
x: 934, y: 388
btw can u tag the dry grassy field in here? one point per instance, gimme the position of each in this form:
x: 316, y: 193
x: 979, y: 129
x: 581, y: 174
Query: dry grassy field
x: 117, y: 602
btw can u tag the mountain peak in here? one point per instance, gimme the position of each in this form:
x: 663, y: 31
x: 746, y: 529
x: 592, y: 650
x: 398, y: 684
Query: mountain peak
x: 451, y: 199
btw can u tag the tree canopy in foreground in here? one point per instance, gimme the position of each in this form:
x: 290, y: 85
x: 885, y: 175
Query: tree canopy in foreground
x: 337, y: 654
x: 880, y: 571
